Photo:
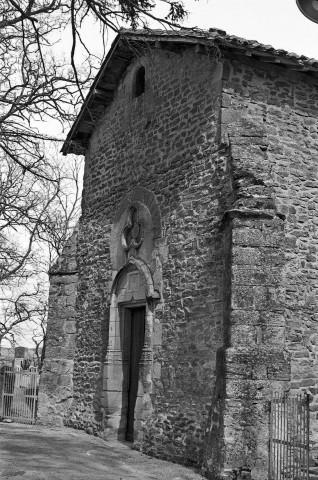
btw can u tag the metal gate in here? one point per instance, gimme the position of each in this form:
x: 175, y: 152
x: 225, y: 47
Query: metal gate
x: 19, y: 394
x: 289, y: 437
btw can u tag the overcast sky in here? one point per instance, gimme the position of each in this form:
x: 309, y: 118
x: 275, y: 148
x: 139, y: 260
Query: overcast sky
x: 276, y: 22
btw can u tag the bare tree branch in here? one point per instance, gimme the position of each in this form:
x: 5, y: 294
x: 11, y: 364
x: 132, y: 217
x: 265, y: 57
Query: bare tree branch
x: 40, y: 197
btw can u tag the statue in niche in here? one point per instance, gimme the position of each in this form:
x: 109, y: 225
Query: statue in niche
x: 132, y: 235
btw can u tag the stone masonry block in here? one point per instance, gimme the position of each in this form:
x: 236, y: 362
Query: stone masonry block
x: 254, y: 237
x: 256, y: 275
x: 242, y: 297
x: 245, y: 255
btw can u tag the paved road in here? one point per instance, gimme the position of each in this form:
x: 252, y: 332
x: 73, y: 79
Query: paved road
x: 36, y: 453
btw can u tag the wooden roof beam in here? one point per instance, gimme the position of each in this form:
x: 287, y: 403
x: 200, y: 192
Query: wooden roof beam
x: 103, y: 94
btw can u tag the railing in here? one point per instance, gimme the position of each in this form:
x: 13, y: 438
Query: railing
x: 289, y: 437
x: 19, y: 394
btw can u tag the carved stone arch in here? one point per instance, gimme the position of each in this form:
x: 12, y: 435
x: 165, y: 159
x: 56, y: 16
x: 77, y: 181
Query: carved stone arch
x: 136, y: 228
x: 144, y: 270
x: 145, y: 197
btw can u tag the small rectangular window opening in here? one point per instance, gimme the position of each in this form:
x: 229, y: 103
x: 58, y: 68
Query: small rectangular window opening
x: 139, y: 86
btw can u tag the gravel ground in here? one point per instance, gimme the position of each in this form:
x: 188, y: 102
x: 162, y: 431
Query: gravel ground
x: 29, y: 452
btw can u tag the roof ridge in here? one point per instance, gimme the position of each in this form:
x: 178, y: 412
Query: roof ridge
x: 223, y: 36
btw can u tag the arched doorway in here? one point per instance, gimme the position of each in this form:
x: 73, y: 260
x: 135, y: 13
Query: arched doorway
x: 134, y: 338
x: 127, y: 378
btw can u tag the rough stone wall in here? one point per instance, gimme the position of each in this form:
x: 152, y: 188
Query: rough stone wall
x: 269, y: 122
x: 228, y: 151
x: 56, y: 381
x: 167, y: 142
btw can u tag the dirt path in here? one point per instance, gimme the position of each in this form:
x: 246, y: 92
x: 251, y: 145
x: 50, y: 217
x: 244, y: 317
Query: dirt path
x: 37, y: 453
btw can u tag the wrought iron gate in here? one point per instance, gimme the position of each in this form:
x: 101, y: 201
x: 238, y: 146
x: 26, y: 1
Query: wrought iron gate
x: 19, y: 394
x: 289, y: 437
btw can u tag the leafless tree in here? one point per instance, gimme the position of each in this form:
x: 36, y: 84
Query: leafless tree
x: 39, y: 339
x: 37, y: 220
x: 60, y: 219
x: 39, y: 200
x: 24, y: 202
x: 19, y: 309
x: 36, y: 85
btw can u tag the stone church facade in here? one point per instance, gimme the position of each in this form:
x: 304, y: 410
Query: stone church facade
x: 188, y: 292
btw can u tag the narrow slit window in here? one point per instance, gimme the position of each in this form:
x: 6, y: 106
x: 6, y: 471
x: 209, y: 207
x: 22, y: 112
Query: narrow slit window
x: 139, y: 86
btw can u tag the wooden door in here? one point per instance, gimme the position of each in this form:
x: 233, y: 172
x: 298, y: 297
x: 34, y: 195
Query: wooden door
x: 137, y: 337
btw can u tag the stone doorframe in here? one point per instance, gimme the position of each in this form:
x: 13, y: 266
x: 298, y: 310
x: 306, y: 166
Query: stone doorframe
x: 132, y: 287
